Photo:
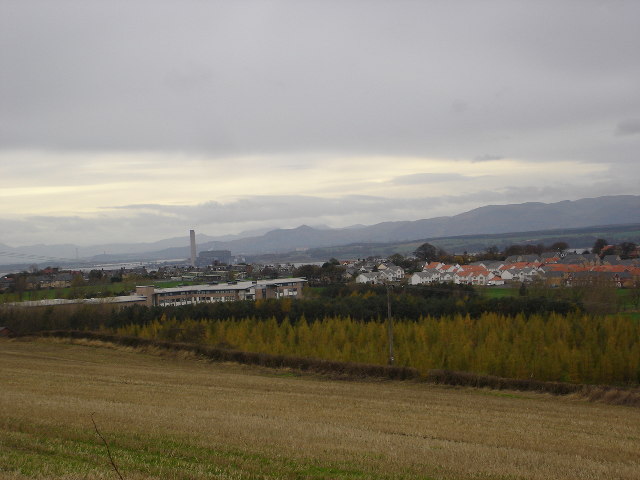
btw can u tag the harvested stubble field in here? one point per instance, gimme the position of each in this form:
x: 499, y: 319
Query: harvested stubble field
x: 175, y: 416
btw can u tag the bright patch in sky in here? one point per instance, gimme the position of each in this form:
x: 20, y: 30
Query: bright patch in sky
x: 113, y: 181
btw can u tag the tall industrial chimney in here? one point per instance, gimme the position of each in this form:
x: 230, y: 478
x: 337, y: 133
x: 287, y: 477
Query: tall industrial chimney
x: 192, y: 234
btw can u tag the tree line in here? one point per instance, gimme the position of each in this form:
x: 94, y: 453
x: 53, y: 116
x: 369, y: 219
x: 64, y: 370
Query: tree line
x: 365, y: 303
x: 574, y: 348
x: 360, y: 302
x: 431, y: 253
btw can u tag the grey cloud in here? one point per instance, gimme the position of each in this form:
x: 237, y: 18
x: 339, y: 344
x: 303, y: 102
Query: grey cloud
x: 220, y: 80
x: 152, y: 222
x: 628, y: 127
x: 272, y: 77
x: 487, y: 158
x: 273, y: 207
x: 459, y: 106
x: 295, y: 210
x: 426, y: 178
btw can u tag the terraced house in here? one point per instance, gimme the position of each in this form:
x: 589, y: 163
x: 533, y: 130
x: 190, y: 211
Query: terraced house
x: 570, y: 270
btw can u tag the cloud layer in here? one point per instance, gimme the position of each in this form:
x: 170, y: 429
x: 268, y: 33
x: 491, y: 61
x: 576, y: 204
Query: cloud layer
x: 306, y: 109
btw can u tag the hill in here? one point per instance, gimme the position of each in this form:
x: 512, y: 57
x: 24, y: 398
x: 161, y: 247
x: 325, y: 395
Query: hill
x: 487, y: 220
x: 575, y: 237
x: 494, y: 219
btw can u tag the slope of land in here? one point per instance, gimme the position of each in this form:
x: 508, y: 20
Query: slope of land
x: 487, y: 220
x: 583, y: 237
x: 491, y: 219
x: 171, y: 417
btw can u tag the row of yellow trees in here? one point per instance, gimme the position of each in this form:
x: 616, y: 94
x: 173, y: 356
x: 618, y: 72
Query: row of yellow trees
x: 573, y: 348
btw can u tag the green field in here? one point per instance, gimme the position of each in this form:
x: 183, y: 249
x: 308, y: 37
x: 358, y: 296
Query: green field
x: 498, y: 292
x: 178, y: 417
x: 631, y: 315
x: 621, y: 299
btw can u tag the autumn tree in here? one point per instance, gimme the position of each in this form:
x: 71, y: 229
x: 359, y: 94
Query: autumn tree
x: 634, y: 294
x: 78, y: 280
x: 310, y: 272
x: 626, y: 249
x: 96, y: 276
x: 409, y: 264
x: 269, y: 272
x: 426, y: 252
x: 599, y: 244
x: 20, y: 285
x: 332, y: 272
x: 397, y: 259
x: 559, y: 246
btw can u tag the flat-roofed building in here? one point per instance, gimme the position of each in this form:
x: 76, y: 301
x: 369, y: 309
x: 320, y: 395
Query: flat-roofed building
x: 223, y: 292
x: 119, y: 302
x: 207, y: 258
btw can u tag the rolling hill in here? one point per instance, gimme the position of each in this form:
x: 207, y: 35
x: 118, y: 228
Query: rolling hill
x: 489, y: 220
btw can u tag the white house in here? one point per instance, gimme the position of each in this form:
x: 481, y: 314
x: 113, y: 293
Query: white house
x: 510, y: 275
x: 446, y: 277
x: 393, y: 273
x: 372, y: 277
x: 426, y: 276
x: 480, y: 278
x: 462, y: 278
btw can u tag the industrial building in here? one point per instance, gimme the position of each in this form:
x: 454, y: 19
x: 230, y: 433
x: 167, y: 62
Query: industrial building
x: 213, y: 257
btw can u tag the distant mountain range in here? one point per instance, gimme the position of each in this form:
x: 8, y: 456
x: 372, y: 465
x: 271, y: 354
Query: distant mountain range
x: 491, y: 219
x: 579, y: 238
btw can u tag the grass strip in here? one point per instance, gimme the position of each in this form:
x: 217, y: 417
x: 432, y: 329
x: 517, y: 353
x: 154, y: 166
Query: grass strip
x: 36, y: 451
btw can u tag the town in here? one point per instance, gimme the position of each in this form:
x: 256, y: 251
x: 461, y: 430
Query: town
x: 217, y: 276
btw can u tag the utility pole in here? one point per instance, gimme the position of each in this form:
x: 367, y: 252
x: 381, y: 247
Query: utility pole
x: 389, y: 325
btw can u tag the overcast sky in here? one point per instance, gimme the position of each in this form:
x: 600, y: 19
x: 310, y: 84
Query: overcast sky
x: 124, y: 121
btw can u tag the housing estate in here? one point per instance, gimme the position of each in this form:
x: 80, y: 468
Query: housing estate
x: 571, y: 270
x: 55, y: 280
x: 474, y: 274
x: 387, y: 272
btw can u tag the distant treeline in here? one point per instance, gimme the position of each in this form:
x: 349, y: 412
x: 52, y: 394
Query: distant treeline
x: 359, y: 302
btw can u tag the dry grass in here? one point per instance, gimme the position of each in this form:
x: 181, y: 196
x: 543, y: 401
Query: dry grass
x: 173, y: 417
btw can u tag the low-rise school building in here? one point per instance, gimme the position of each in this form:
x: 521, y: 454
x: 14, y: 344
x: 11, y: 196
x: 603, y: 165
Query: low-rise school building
x: 223, y: 292
x: 151, y: 296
